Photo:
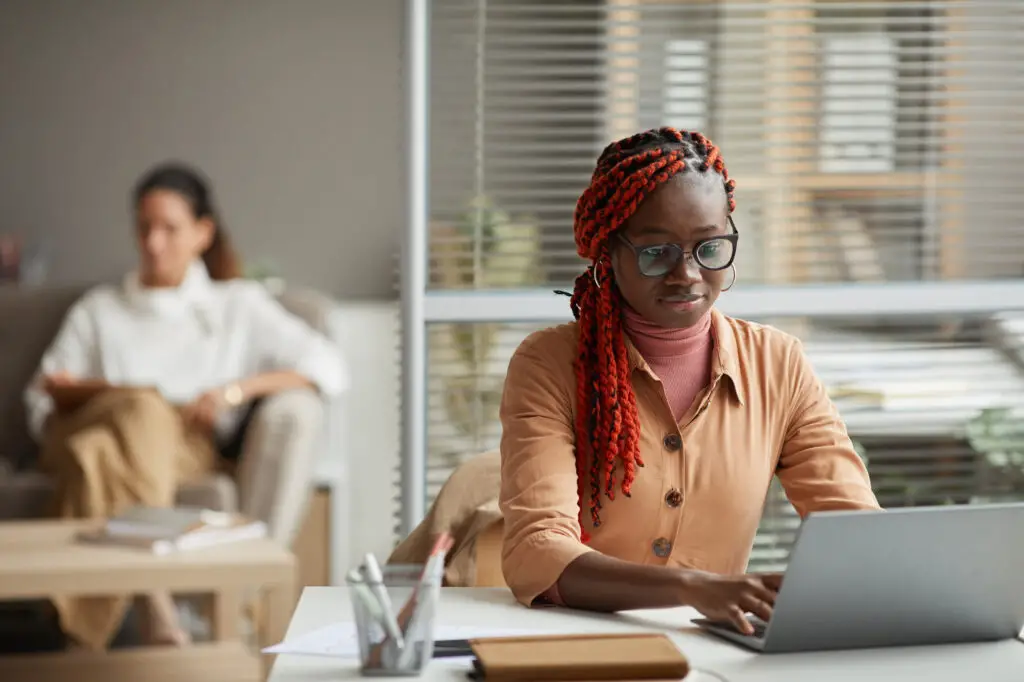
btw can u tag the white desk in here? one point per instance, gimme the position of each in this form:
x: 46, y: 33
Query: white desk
x: 995, y: 662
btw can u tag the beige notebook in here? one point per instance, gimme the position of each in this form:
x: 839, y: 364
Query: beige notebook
x: 642, y: 656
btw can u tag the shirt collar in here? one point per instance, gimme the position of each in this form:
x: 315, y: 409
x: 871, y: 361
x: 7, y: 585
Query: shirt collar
x: 727, y: 356
x: 194, y: 289
x: 724, y: 357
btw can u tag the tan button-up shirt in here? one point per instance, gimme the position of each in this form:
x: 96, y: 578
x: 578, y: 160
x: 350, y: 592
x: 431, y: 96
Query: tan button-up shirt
x: 698, y: 500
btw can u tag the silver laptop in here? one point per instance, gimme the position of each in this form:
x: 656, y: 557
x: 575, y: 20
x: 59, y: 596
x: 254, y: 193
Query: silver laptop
x: 905, y: 577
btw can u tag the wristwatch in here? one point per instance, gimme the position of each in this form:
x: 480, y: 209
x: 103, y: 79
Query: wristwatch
x: 233, y: 395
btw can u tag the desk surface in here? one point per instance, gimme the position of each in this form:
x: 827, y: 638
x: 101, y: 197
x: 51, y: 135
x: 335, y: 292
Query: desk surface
x: 994, y: 662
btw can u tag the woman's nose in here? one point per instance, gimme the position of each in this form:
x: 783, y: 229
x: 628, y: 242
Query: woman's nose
x: 686, y: 271
x: 153, y: 242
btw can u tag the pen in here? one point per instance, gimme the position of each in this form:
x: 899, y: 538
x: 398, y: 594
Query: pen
x: 365, y: 596
x: 375, y: 578
x: 421, y: 601
x: 424, y: 598
x: 442, y: 544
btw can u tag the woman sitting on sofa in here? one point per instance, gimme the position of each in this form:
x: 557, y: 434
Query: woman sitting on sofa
x: 146, y: 380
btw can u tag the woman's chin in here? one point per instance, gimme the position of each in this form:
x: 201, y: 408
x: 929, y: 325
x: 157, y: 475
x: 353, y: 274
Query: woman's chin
x: 680, y: 314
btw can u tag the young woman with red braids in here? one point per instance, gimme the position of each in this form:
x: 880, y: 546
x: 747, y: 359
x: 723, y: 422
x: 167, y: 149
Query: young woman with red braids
x: 639, y: 441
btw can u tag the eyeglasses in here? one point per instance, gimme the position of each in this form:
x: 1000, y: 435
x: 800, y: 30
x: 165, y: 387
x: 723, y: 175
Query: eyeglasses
x: 657, y: 260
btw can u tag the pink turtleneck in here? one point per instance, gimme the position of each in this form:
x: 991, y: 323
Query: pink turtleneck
x: 680, y: 358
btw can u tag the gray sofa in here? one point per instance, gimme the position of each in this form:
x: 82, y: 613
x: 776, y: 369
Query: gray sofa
x: 287, y: 431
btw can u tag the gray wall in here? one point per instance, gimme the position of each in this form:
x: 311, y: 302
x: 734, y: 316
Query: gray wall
x: 293, y: 107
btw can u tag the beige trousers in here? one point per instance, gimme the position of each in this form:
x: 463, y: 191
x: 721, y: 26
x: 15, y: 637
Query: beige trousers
x: 123, y: 447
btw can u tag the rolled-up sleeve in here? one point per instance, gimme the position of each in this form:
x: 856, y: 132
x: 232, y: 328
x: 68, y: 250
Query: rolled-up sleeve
x: 538, y: 470
x: 283, y: 341
x: 818, y: 465
x: 74, y: 351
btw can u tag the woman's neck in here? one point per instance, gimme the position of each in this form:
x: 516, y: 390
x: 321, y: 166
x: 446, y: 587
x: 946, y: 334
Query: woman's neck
x: 147, y: 281
x: 659, y: 342
x: 194, y: 275
x: 680, y: 358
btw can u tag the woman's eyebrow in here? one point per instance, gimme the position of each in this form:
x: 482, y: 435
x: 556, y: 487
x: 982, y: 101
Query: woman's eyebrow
x: 707, y: 228
x: 653, y: 230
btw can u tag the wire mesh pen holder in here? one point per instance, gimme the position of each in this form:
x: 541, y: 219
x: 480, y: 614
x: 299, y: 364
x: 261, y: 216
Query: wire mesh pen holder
x: 412, y: 594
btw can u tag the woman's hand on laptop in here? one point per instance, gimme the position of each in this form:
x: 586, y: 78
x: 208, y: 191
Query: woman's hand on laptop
x: 728, y: 598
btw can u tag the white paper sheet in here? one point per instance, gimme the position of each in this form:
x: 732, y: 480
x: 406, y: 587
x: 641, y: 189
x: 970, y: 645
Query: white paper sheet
x: 339, y: 640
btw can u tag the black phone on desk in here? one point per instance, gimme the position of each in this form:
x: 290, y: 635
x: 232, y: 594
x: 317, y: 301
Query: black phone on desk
x: 452, y: 648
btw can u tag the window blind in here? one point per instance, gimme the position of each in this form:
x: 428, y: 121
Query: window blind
x: 869, y: 140
x: 874, y: 147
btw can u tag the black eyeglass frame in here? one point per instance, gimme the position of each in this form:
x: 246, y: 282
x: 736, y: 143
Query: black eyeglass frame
x: 638, y: 250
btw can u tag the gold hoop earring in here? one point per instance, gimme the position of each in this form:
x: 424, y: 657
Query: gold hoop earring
x: 734, y: 275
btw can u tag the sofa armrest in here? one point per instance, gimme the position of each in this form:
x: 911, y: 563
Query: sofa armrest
x: 25, y: 495
x: 320, y: 312
x: 279, y: 452
x: 312, y: 306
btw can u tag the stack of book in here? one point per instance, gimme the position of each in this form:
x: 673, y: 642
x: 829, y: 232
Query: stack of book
x: 167, y: 530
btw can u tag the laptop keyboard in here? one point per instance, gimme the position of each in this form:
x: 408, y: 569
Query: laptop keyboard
x: 759, y: 628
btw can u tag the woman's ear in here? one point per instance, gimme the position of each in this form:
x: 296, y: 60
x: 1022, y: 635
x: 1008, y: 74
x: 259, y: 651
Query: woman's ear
x: 207, y: 230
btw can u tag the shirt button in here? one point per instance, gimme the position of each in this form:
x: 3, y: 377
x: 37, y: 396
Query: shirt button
x: 674, y: 498
x: 673, y: 442
x: 662, y: 547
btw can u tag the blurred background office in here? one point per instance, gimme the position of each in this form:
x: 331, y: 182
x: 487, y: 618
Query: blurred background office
x: 875, y: 146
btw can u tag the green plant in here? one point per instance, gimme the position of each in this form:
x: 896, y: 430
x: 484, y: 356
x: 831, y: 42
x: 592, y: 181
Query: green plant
x: 260, y: 270
x: 997, y: 434
x: 996, y: 472
x: 486, y: 248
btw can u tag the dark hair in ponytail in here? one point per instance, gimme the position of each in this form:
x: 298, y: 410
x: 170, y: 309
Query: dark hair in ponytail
x: 222, y: 262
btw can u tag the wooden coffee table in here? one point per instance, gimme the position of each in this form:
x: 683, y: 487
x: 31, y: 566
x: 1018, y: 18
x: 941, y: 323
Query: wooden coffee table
x: 40, y: 559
